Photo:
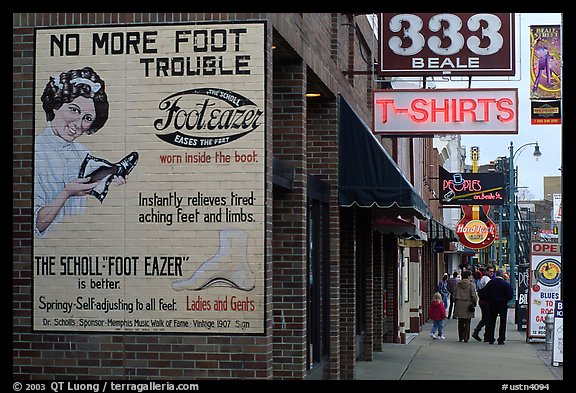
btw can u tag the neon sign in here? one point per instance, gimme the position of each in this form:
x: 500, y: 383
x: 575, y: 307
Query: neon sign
x: 471, y: 188
x: 450, y: 111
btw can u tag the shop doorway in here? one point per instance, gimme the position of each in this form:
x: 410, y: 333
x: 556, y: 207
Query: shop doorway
x: 318, y: 284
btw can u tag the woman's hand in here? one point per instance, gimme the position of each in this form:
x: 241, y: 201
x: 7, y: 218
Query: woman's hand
x: 76, y: 188
x: 79, y: 187
x: 118, y: 180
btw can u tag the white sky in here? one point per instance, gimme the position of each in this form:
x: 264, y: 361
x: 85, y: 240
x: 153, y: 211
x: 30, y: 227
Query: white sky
x: 531, y: 173
x: 549, y: 137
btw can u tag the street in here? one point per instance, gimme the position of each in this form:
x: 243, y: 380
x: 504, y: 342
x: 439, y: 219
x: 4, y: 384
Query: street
x: 424, y: 358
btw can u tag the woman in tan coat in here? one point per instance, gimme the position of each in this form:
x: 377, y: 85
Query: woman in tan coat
x: 464, y: 294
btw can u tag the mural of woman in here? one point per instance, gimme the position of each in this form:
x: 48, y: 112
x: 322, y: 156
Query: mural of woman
x: 76, y: 104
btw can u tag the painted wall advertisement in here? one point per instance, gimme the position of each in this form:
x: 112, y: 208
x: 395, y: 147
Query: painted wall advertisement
x: 544, y: 291
x: 149, y: 178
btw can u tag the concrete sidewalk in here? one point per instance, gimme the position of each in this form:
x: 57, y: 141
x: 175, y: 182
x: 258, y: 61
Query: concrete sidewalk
x: 424, y: 358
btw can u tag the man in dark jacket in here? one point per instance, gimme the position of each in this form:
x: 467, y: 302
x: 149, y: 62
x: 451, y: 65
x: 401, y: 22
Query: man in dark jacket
x: 451, y: 284
x: 497, y: 292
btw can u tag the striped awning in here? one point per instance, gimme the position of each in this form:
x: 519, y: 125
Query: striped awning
x: 368, y: 176
x: 439, y: 231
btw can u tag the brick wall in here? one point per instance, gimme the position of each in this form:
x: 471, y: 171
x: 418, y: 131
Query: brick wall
x: 303, y: 134
x: 322, y: 151
x: 377, y: 302
x: 365, y: 264
x: 428, y: 287
x: 289, y: 225
x: 390, y: 251
x: 347, y: 292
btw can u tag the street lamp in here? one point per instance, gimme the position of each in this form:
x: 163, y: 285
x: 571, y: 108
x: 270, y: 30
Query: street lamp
x: 511, y: 213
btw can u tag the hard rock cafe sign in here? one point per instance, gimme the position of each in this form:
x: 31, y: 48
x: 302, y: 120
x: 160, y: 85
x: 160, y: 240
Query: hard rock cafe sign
x: 475, y: 229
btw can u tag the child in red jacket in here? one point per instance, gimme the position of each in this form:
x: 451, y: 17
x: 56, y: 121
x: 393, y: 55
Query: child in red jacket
x: 438, y: 315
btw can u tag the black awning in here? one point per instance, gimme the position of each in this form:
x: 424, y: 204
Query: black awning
x: 406, y: 229
x: 367, y: 175
x: 438, y: 231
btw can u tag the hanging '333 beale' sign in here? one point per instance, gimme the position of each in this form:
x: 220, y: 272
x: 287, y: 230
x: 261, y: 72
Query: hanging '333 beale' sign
x: 446, y: 44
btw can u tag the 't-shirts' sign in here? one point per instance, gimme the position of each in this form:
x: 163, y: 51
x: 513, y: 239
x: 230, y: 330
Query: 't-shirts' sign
x: 447, y: 111
x: 446, y: 44
x: 149, y: 191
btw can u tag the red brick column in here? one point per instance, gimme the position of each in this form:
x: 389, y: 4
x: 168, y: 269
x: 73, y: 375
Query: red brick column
x: 347, y: 292
x: 322, y: 150
x: 366, y: 264
x: 377, y: 301
x: 289, y: 257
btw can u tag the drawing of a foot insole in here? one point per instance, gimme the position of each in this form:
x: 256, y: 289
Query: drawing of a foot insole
x: 228, y: 268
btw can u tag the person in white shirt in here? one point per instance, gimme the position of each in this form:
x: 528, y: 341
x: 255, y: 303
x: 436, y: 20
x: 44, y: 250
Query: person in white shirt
x: 75, y: 103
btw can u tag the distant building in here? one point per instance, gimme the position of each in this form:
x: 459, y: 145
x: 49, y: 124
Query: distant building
x: 552, y: 185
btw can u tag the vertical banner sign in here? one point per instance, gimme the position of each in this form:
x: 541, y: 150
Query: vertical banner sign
x: 545, y: 62
x: 557, y: 207
x: 522, y: 305
x: 545, y: 279
x: 558, y: 340
x: 545, y: 74
x: 149, y: 178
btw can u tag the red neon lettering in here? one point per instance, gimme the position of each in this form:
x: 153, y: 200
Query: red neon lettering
x: 437, y: 109
x: 447, y: 110
x: 485, y: 104
x: 501, y: 106
x: 453, y: 107
x: 466, y: 185
x: 415, y: 106
x: 467, y: 109
x: 384, y: 104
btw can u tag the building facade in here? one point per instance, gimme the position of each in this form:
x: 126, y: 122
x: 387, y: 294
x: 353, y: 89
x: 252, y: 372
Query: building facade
x: 302, y: 242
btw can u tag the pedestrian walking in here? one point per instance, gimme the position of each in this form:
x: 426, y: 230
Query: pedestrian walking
x: 443, y: 289
x: 450, y: 284
x: 497, y: 292
x: 483, y: 304
x: 477, y: 276
x: 465, y: 296
x: 438, y: 315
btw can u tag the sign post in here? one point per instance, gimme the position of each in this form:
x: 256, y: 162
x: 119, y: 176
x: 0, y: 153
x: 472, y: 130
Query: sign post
x: 558, y: 335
